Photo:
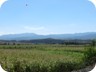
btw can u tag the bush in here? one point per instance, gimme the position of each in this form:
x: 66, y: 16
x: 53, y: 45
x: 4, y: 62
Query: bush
x: 90, y: 54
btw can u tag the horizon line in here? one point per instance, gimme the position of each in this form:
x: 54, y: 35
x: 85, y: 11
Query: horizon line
x: 43, y: 34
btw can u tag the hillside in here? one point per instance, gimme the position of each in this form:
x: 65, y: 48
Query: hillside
x: 32, y: 36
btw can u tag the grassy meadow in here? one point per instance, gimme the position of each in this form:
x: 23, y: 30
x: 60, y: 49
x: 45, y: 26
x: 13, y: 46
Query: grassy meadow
x: 41, y: 57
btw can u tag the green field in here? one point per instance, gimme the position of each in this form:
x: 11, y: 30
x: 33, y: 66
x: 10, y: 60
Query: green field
x: 41, y: 57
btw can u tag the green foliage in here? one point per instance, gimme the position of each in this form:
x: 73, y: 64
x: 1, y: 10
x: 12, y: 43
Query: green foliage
x: 42, y: 58
x: 20, y: 66
x: 90, y: 54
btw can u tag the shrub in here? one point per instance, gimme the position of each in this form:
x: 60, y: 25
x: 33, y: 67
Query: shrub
x: 90, y: 54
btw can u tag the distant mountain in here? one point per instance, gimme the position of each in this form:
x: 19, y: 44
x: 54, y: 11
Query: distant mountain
x: 32, y: 36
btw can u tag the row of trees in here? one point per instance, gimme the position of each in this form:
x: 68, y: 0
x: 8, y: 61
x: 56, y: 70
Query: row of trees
x: 48, y: 41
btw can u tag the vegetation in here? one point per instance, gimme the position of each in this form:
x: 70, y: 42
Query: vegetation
x: 43, y: 57
x: 90, y: 54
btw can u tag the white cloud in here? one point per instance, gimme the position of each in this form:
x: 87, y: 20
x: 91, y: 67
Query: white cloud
x: 1, y: 33
x: 2, y: 2
x: 34, y: 28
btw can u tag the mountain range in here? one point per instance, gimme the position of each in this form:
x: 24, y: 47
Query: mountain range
x: 32, y: 36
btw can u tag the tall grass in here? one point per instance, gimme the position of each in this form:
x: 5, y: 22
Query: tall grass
x: 90, y: 54
x: 20, y: 66
x: 43, y: 58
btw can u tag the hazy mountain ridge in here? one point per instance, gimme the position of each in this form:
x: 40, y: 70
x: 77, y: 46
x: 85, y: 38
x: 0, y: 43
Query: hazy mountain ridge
x: 31, y: 36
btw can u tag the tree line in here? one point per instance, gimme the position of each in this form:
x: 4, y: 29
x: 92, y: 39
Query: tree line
x: 46, y: 41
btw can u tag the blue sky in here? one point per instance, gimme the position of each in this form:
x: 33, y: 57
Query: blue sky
x: 47, y: 17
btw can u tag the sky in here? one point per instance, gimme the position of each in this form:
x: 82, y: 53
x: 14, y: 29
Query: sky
x: 47, y: 17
